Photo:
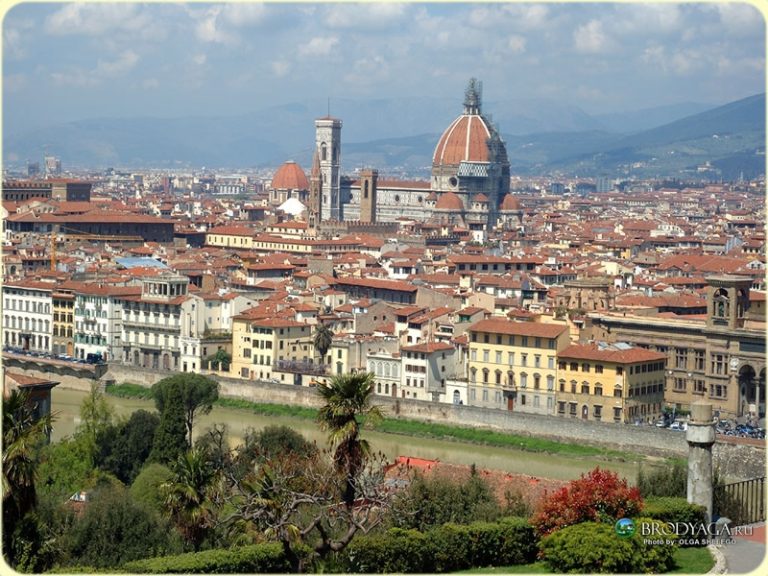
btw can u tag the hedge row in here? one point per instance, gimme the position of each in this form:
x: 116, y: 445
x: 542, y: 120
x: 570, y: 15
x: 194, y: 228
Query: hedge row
x: 254, y: 559
x: 678, y: 511
x: 446, y: 548
x: 595, y: 548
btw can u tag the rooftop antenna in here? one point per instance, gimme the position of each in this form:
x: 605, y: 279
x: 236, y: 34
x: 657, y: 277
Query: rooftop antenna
x: 329, y: 106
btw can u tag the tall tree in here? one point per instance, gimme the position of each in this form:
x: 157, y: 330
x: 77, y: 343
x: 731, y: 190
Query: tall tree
x: 347, y: 406
x: 196, y: 394
x: 187, y: 495
x: 96, y: 415
x: 323, y: 339
x: 123, y: 448
x: 170, y: 439
x: 23, y: 434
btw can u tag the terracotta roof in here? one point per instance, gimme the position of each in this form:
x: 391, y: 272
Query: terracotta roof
x: 510, y: 203
x: 501, y: 326
x: 449, y: 201
x: 464, y: 140
x: 617, y: 356
x: 377, y: 284
x: 427, y: 347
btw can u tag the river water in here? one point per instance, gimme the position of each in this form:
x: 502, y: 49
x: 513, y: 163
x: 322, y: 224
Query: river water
x: 66, y: 405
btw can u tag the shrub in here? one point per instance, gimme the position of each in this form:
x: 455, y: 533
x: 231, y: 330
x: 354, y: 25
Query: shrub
x: 667, y: 509
x: 667, y: 481
x: 396, y: 550
x: 678, y: 510
x: 254, y: 559
x: 445, y: 548
x: 599, y: 495
x: 594, y: 547
x: 434, y: 501
x: 115, y: 529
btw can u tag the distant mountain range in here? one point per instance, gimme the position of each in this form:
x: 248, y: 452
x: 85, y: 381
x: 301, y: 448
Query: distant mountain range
x: 398, y: 135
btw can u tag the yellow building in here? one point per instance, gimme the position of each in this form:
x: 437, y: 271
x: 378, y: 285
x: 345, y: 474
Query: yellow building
x: 231, y: 236
x: 513, y: 365
x: 610, y: 383
x: 277, y: 349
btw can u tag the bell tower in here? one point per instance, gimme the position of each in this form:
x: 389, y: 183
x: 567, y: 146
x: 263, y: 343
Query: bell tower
x: 727, y: 300
x: 368, y: 182
x: 328, y: 148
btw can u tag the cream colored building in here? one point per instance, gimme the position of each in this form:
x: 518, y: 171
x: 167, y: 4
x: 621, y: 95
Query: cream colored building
x: 278, y: 349
x: 513, y: 365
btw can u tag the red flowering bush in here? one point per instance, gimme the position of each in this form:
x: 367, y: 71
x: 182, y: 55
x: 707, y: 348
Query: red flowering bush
x: 598, y: 496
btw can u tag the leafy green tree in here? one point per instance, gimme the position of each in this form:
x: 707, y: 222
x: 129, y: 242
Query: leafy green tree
x: 96, y: 415
x: 66, y: 467
x: 194, y: 392
x: 220, y: 360
x: 123, y: 448
x: 186, y: 496
x: 170, y: 439
x: 115, y: 529
x: 669, y: 480
x: 23, y: 435
x: 274, y: 440
x: 322, y: 339
x: 147, y: 487
x: 347, y: 406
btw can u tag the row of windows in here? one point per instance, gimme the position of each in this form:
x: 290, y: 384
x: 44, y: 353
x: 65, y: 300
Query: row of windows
x: 33, y: 342
x: 23, y: 305
x: 26, y: 323
x: 499, y: 358
x: 386, y: 369
x: 524, y: 341
x: 719, y: 391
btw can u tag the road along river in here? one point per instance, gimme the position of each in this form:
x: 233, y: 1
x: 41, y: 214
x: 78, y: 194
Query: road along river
x: 66, y: 405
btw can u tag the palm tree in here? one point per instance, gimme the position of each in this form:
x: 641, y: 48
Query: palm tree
x: 322, y: 340
x: 347, y: 405
x: 23, y: 433
x: 186, y: 495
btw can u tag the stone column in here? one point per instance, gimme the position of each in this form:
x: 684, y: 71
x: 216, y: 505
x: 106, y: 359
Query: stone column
x: 700, y: 437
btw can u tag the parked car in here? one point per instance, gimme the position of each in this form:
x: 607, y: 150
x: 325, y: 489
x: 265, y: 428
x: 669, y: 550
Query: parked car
x: 679, y: 426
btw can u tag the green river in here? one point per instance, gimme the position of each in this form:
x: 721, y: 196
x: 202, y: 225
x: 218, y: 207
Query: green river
x: 66, y: 405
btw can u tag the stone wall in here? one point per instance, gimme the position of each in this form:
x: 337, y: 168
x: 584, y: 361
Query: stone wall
x: 732, y: 460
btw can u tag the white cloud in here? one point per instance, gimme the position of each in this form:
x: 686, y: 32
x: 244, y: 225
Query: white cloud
x: 123, y: 63
x: 516, y: 44
x: 243, y: 14
x: 199, y: 59
x: 528, y: 16
x: 96, y: 19
x: 281, y: 68
x: 150, y: 83
x: 650, y: 19
x: 741, y: 18
x: 319, y: 46
x: 12, y: 43
x: 208, y: 29
x: 374, y: 15
x: 590, y: 38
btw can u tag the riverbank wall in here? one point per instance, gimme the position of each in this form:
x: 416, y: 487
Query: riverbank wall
x: 732, y: 460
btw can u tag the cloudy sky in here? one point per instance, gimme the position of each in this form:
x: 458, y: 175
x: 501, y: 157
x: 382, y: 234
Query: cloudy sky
x: 71, y: 61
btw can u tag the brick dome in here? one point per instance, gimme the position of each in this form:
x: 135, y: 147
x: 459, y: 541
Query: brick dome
x: 449, y: 201
x: 510, y: 203
x: 465, y: 140
x: 290, y: 176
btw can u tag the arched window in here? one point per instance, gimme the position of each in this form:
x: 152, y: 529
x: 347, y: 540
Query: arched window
x: 473, y: 374
x: 323, y: 152
x: 365, y: 189
x: 386, y: 387
x: 386, y: 369
x: 485, y: 375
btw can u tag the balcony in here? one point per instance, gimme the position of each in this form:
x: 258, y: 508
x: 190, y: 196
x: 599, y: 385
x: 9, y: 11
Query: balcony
x: 297, y: 367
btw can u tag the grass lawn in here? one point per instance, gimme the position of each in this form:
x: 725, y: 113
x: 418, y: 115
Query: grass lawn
x: 688, y: 560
